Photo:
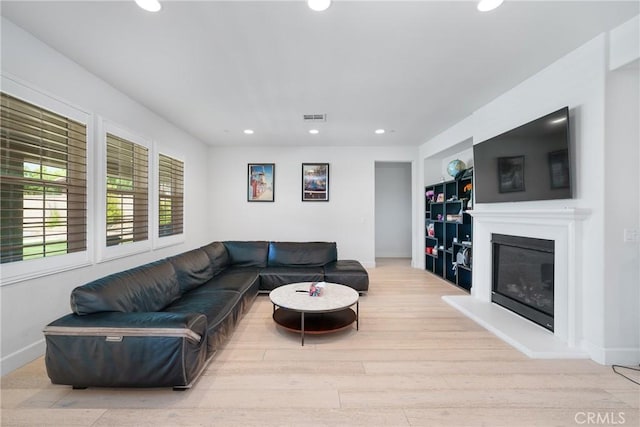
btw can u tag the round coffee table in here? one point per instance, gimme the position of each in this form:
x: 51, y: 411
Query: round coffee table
x: 299, y: 312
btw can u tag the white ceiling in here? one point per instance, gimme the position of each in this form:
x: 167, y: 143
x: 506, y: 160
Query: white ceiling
x: 214, y: 68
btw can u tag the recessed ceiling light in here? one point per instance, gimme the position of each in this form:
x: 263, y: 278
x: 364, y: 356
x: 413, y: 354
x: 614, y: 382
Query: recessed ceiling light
x: 379, y: 131
x: 248, y: 131
x: 319, y: 5
x: 149, y: 5
x: 314, y: 131
x: 487, y: 5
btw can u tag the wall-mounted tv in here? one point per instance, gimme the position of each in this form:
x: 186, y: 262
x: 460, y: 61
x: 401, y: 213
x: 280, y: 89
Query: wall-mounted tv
x: 530, y: 162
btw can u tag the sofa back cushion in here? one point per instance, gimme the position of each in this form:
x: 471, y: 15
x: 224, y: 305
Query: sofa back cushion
x: 147, y: 288
x: 193, y: 268
x: 218, y: 256
x: 299, y: 254
x: 247, y: 254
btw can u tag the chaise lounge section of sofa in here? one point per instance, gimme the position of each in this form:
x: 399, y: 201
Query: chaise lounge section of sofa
x: 158, y: 325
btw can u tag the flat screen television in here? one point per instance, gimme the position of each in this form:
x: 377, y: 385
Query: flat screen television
x: 530, y: 162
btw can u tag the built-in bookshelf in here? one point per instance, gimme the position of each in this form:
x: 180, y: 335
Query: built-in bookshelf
x: 449, y: 230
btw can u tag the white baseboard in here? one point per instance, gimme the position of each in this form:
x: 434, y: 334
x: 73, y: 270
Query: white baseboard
x: 613, y: 356
x: 21, y: 357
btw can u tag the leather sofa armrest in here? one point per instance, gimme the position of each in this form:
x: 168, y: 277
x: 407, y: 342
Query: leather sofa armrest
x: 193, y: 326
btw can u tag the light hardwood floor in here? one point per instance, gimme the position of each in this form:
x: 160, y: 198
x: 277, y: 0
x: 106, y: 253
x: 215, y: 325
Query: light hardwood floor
x: 414, y: 362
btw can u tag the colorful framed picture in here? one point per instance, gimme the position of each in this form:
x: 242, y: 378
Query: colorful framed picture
x: 261, y: 182
x: 315, y: 182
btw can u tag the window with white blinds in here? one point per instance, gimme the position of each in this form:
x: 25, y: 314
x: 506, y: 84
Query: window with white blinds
x: 127, y: 191
x: 171, y: 196
x: 43, y: 182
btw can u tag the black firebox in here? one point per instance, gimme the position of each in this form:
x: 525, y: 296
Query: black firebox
x: 523, y: 277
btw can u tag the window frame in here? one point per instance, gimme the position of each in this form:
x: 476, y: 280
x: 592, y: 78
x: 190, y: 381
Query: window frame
x: 104, y: 252
x: 176, y: 239
x: 18, y: 271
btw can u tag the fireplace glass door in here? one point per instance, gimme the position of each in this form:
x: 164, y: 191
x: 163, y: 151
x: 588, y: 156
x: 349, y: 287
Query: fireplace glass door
x: 523, y: 277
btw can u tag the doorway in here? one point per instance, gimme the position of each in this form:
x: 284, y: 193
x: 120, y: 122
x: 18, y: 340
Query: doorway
x: 393, y: 210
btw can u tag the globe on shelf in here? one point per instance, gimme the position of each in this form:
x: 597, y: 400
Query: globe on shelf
x: 456, y: 167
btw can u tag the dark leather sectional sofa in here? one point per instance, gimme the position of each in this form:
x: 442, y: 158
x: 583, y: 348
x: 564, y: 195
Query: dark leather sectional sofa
x: 159, y: 324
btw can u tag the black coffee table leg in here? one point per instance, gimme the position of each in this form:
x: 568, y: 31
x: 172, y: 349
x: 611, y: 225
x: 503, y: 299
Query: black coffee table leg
x: 302, y: 326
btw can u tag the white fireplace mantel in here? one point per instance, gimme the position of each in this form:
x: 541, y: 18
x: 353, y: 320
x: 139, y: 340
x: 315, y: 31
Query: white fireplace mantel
x: 563, y: 227
x: 529, y: 215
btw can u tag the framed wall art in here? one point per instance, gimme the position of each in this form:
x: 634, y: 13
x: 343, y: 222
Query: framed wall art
x: 315, y: 182
x: 261, y: 182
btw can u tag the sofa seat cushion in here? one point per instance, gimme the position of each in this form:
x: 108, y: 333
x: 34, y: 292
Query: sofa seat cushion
x: 272, y: 277
x: 150, y: 287
x: 347, y: 272
x: 193, y: 268
x: 246, y: 283
x: 215, y: 304
x: 222, y: 308
x: 239, y: 280
x: 301, y: 254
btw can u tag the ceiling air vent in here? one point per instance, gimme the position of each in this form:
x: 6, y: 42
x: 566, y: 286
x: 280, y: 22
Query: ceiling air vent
x: 314, y: 117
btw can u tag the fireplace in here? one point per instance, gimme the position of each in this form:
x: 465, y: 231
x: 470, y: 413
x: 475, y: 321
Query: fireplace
x: 563, y: 227
x: 523, y: 277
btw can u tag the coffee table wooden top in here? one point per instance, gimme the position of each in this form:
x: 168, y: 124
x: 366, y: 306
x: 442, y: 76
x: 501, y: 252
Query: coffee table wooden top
x: 296, y: 297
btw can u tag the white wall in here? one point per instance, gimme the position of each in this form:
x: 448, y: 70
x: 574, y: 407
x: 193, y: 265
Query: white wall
x: 621, y: 213
x: 624, y: 45
x: 347, y: 218
x: 393, y: 210
x: 622, y: 159
x: 28, y: 306
x: 609, y: 303
x: 449, y: 144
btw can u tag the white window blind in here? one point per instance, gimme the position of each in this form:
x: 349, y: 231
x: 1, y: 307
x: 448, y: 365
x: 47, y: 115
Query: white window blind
x: 171, y: 196
x: 127, y: 191
x: 43, y: 182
